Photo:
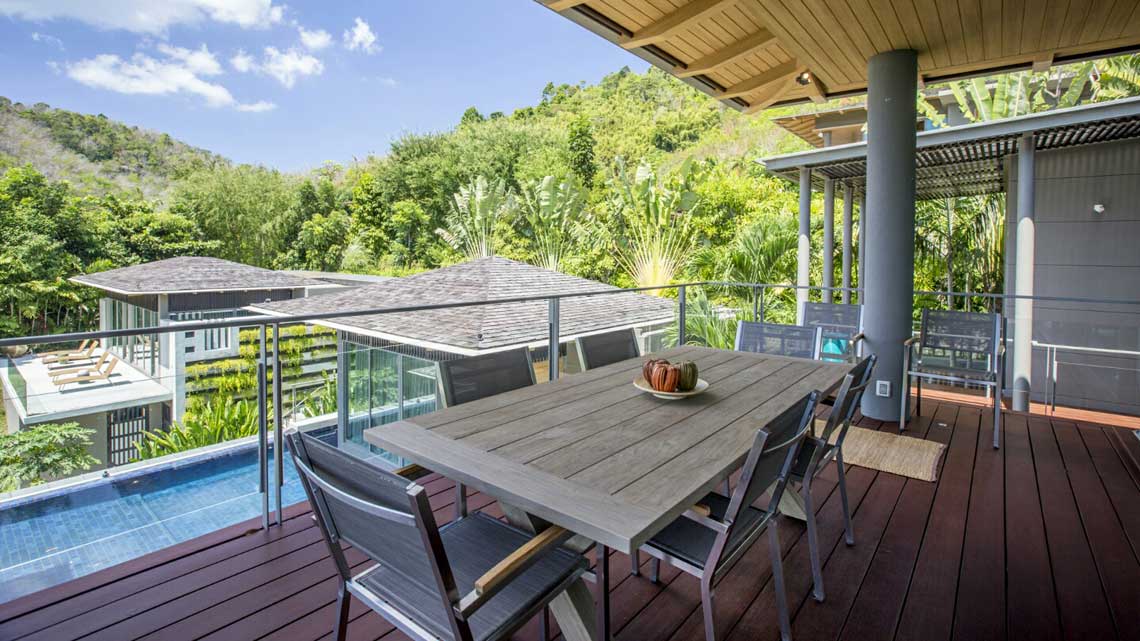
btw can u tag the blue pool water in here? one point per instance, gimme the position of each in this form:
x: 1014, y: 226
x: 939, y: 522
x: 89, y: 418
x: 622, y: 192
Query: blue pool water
x: 53, y: 540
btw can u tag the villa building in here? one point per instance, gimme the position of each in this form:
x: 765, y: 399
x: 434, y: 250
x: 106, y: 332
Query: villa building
x: 146, y: 384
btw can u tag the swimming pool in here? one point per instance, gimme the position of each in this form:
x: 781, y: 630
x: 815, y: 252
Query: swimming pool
x: 52, y: 540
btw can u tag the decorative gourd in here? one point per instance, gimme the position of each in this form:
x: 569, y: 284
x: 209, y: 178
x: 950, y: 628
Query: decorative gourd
x: 665, y: 377
x: 647, y: 369
x: 687, y: 378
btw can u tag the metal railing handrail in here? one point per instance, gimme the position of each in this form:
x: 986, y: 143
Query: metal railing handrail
x: 284, y: 319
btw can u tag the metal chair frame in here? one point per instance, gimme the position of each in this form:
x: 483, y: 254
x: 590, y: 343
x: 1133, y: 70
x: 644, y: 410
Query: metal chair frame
x: 721, y: 559
x: 796, y: 331
x: 847, y: 401
x: 582, y: 343
x: 418, y: 515
x: 446, y: 384
x: 913, y: 352
x: 819, y: 315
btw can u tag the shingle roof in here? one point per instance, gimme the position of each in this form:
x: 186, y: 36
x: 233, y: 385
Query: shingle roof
x: 486, y: 326
x: 192, y: 274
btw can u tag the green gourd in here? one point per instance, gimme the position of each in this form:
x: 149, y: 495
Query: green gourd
x: 688, y: 378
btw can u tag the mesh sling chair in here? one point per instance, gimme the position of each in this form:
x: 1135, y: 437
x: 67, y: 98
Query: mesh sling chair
x: 476, y: 579
x: 709, y: 538
x: 783, y: 340
x: 603, y: 349
x: 469, y: 379
x: 818, y: 451
x: 842, y: 327
x: 954, y: 347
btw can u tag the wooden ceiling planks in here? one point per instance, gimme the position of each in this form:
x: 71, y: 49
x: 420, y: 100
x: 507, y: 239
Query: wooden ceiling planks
x: 735, y: 49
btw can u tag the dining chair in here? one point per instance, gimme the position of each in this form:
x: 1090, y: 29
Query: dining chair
x: 475, y: 579
x: 842, y: 327
x: 603, y: 349
x: 819, y: 449
x: 782, y: 340
x: 708, y: 539
x: 463, y: 380
x: 954, y: 347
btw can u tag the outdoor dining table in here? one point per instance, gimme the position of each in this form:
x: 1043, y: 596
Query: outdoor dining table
x: 593, y: 454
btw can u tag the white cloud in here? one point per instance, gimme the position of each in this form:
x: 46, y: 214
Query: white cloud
x: 387, y: 82
x: 242, y: 62
x: 257, y: 107
x: 200, y: 61
x: 284, y: 66
x: 314, y: 40
x: 44, y: 38
x: 360, y: 37
x: 179, y: 72
x: 147, y: 16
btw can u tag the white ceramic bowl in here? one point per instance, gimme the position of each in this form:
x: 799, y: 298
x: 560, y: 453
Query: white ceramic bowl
x: 642, y: 385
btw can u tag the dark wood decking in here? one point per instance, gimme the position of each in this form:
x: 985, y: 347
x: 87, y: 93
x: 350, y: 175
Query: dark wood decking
x: 1039, y: 540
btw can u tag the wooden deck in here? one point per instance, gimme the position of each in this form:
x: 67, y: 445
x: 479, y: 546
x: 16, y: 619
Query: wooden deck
x: 1039, y: 540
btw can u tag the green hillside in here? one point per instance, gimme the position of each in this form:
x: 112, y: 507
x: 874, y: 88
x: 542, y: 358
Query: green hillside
x: 93, y: 152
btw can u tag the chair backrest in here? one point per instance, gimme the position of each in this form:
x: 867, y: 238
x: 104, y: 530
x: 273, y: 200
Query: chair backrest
x: 111, y: 365
x: 847, y: 399
x: 840, y: 323
x: 784, y: 340
x: 962, y: 333
x: 769, y: 462
x: 468, y: 379
x: 602, y: 349
x: 382, y: 515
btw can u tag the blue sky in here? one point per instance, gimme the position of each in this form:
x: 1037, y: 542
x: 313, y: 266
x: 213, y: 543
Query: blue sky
x: 292, y: 85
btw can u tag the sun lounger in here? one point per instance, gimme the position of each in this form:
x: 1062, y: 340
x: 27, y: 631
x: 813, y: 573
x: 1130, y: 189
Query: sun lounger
x: 90, y: 377
x: 86, y: 350
x: 80, y: 369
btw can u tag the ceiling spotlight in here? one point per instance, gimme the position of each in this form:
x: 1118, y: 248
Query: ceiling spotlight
x: 804, y: 78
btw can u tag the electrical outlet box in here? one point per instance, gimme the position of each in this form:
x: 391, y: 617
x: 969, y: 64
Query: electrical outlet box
x: 883, y: 388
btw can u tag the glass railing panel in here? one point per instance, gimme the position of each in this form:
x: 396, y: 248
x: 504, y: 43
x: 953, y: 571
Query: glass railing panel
x: 166, y: 452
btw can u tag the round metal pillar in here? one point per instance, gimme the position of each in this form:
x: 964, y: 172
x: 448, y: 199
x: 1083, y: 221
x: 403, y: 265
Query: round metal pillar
x: 803, y: 250
x: 828, y: 238
x: 1023, y: 276
x: 889, y: 288
x: 848, y: 205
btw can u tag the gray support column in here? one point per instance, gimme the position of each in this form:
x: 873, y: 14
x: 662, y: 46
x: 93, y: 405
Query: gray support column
x: 848, y: 206
x: 803, y: 251
x: 1023, y: 276
x: 891, y: 87
x: 862, y: 243
x: 828, y: 238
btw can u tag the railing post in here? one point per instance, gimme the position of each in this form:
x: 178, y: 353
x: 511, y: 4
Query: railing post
x: 763, y: 289
x: 552, y: 338
x: 278, y: 437
x: 680, y: 315
x: 263, y: 431
x: 756, y: 304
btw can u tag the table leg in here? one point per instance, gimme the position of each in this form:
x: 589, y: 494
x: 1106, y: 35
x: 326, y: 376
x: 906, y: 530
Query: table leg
x: 573, y: 609
x: 603, y: 608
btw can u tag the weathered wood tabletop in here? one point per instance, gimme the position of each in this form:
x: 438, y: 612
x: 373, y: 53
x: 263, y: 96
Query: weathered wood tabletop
x: 595, y: 455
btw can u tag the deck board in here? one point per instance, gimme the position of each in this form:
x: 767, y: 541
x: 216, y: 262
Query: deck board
x: 1034, y: 541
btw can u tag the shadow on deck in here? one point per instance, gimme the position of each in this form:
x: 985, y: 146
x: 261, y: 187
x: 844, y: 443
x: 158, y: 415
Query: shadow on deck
x: 1039, y: 540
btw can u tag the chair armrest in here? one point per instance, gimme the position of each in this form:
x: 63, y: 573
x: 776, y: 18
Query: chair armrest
x: 858, y: 337
x: 702, y: 514
x: 494, y: 579
x: 412, y: 471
